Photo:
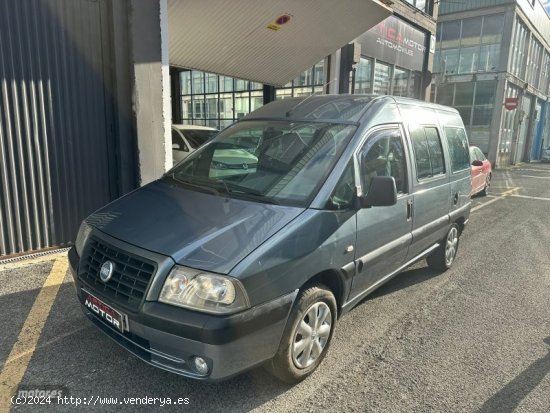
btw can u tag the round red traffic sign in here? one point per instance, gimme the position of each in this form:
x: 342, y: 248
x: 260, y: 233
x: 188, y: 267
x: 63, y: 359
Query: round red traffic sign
x: 285, y: 18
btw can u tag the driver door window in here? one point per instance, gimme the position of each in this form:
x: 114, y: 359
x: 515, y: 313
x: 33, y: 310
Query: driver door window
x: 384, y: 155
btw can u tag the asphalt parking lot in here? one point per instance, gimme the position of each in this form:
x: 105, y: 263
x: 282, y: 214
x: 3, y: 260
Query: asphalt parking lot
x: 475, y: 338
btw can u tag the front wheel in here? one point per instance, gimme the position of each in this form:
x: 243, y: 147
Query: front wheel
x: 307, y: 335
x: 443, y: 257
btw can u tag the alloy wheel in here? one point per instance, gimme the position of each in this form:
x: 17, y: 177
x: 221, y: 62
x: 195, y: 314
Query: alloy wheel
x: 311, y: 335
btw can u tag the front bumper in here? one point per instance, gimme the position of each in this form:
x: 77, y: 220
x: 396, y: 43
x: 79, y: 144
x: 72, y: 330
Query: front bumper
x: 169, y: 337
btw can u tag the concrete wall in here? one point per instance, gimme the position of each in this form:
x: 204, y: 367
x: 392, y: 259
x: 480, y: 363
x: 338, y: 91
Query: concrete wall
x: 148, y: 38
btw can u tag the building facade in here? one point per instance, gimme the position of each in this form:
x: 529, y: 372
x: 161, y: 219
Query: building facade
x: 394, y: 58
x: 86, y: 92
x: 489, y: 53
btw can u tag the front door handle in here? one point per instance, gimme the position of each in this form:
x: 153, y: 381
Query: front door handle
x: 455, y: 199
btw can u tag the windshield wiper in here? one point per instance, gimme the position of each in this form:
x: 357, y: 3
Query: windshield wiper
x: 228, y: 189
x: 197, y: 185
x: 254, y: 197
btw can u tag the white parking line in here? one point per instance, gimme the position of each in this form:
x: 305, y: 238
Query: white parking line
x: 533, y: 169
x: 538, y: 198
x: 532, y: 176
x: 502, y: 196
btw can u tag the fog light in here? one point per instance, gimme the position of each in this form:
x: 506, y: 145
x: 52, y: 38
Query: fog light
x: 200, y: 365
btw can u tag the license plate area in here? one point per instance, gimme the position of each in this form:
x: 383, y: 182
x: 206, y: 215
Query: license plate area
x: 108, y: 314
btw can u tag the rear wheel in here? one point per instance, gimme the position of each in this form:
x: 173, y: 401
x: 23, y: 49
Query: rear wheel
x: 307, y: 335
x: 443, y: 257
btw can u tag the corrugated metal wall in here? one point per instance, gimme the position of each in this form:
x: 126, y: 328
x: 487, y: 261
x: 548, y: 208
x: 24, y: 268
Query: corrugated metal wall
x: 57, y: 150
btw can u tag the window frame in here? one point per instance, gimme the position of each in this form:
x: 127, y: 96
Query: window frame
x: 362, y: 144
x: 453, y: 171
x: 432, y: 177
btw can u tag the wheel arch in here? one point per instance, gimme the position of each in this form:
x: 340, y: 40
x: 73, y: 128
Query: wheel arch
x: 334, y: 281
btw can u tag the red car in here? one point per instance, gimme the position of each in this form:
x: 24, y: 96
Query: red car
x: 481, y: 172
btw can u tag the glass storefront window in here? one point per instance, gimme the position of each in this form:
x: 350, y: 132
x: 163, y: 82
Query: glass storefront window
x: 469, y: 57
x: 211, y: 106
x: 450, y: 60
x: 419, y: 4
x: 198, y: 107
x: 211, y: 83
x: 471, y: 32
x: 489, y: 58
x: 242, y: 104
x: 445, y: 94
x: 306, y: 83
x: 185, y: 80
x: 319, y: 73
x: 400, y: 81
x: 302, y: 91
x: 363, y: 77
x: 256, y: 100
x: 382, y: 79
x: 465, y: 114
x: 469, y: 45
x: 256, y: 86
x: 485, y: 92
x: 464, y: 95
x: 198, y: 81
x: 226, y: 84
x: 482, y: 116
x: 492, y: 28
x: 241, y: 84
x: 226, y: 106
x: 450, y: 34
x: 304, y: 78
x: 415, y: 84
x: 186, y: 108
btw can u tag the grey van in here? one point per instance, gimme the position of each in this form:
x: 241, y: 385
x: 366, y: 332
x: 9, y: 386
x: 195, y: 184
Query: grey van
x: 220, y: 266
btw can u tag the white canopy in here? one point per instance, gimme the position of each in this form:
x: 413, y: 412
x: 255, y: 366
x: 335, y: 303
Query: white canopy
x: 265, y: 41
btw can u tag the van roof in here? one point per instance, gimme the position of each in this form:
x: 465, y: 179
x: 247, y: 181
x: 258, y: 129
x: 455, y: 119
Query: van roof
x: 335, y: 108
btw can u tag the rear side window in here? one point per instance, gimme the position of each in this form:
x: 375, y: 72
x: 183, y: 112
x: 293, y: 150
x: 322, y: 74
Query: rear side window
x: 428, y: 152
x: 436, y: 151
x: 458, y: 147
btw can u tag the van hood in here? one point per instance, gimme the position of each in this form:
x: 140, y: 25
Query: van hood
x: 199, y: 230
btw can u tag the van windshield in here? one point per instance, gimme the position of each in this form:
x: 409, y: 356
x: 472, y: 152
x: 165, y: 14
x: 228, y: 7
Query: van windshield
x: 278, y: 162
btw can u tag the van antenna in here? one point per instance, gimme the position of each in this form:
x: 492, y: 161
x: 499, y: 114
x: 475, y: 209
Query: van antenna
x: 307, y: 98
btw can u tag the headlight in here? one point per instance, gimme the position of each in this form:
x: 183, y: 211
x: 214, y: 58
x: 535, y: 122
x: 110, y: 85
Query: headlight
x: 82, y: 237
x: 202, y: 291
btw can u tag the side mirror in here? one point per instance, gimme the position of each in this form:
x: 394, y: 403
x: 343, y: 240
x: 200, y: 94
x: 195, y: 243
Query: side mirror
x: 477, y: 163
x: 176, y: 146
x: 382, y: 192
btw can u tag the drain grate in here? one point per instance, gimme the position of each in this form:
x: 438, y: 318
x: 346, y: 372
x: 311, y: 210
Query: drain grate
x: 32, y: 256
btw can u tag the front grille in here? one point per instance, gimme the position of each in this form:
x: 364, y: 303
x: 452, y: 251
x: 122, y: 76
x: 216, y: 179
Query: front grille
x: 131, y: 275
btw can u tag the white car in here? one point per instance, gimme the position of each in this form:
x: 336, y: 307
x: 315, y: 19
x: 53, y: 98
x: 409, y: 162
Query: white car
x: 187, y: 138
x: 546, y: 154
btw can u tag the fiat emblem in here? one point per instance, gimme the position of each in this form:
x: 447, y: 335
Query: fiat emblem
x: 106, y: 271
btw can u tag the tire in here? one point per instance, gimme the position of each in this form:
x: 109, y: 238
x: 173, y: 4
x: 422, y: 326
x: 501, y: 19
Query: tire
x: 485, y: 190
x: 291, y: 364
x: 444, y: 256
